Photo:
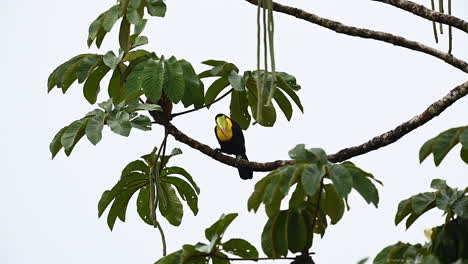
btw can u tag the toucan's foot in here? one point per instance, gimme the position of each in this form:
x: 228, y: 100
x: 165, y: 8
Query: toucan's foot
x: 216, y: 151
x: 238, y: 158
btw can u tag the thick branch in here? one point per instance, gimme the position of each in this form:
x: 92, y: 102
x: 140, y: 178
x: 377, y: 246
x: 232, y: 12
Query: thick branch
x: 369, y: 34
x: 427, y: 13
x: 377, y: 142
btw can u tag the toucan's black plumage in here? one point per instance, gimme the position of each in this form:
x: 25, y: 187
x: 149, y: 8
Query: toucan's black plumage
x: 231, y: 139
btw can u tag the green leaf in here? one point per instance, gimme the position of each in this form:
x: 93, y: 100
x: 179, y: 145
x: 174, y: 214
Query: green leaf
x: 91, y: 87
x: 115, y: 88
x: 257, y: 196
x: 106, y: 105
x: 439, y: 184
x: 236, y: 81
x: 141, y: 122
x: 110, y: 17
x: 156, y: 8
x: 133, y: 55
x: 133, y: 16
x: 100, y: 37
x: 120, y: 124
x: 135, y: 166
x: 425, y: 150
x: 241, y: 248
x: 297, y: 231
x: 94, y: 127
x: 214, y: 62
x: 124, y: 34
x: 366, y: 188
x: 94, y: 29
x: 404, y: 209
x: 56, y: 144
x: 464, y: 137
x: 135, y: 79
x: 193, y: 90
x: 311, y: 178
x: 421, y: 201
x: 268, y: 112
x: 284, y: 104
x: 219, y: 227
x: 143, y: 205
x: 443, y: 143
x: 65, y: 74
x: 280, y: 235
x: 119, y: 206
x: 215, y: 88
x: 413, y: 217
x: 153, y: 79
x: 139, y: 41
x: 185, y: 191
x: 87, y: 66
x: 464, y: 154
x: 140, y: 27
x: 73, y: 133
x: 179, y: 171
x: 460, y: 207
x: 173, y: 258
x: 267, y: 238
x: 298, y: 196
x: 287, y: 83
x: 239, y: 108
x: 111, y: 60
x: 334, y: 205
x: 220, y: 258
x: 381, y: 258
x: 314, y: 155
x: 172, y: 210
x: 342, y: 179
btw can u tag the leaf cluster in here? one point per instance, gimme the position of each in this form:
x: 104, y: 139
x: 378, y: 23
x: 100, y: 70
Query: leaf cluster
x: 452, y: 201
x: 136, y: 177
x: 312, y: 201
x: 120, y: 118
x: 448, y: 244
x: 215, y: 250
x: 244, y: 93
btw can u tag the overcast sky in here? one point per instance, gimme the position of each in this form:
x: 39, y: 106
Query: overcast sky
x: 353, y: 90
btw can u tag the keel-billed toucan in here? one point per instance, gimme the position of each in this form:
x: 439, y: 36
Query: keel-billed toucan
x: 231, y: 140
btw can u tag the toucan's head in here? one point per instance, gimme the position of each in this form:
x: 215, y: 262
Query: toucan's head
x: 222, y: 122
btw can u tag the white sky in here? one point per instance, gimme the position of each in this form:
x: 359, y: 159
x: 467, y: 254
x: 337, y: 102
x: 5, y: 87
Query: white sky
x: 353, y: 90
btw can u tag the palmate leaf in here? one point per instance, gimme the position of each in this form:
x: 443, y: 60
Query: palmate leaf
x: 176, y: 78
x: 156, y: 8
x: 186, y: 192
x: 445, y: 198
x: 92, y: 87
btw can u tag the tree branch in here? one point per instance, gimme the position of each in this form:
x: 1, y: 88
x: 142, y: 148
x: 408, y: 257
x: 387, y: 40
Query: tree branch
x: 377, y: 142
x: 368, y: 34
x: 427, y: 13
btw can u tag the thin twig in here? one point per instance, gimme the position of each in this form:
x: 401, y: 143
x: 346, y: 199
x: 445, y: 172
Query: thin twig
x: 207, y: 105
x: 368, y: 34
x: 377, y: 142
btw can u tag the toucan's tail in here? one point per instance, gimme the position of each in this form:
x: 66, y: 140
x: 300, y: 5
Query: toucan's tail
x: 245, y: 173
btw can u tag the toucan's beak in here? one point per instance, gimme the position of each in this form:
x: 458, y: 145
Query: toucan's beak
x: 223, y: 129
x: 222, y: 125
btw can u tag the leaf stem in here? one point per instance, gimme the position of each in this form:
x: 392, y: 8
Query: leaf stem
x: 207, y: 105
x: 155, y: 171
x: 450, y: 27
x: 434, y: 27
